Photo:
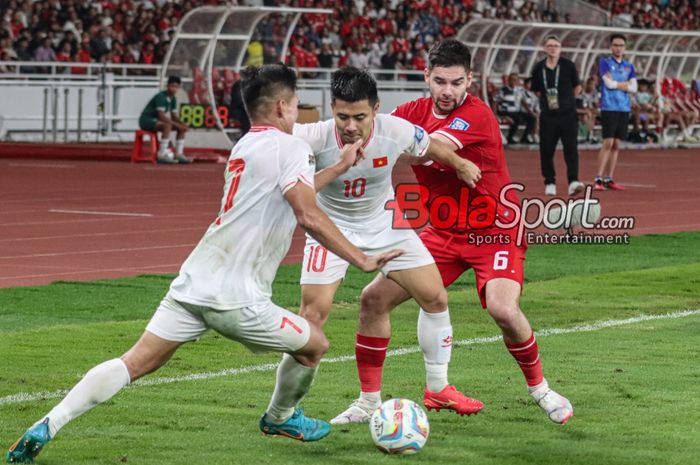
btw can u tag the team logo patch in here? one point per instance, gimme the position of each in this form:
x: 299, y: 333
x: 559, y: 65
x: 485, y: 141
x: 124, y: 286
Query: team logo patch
x: 458, y: 124
x: 420, y: 133
x: 312, y: 159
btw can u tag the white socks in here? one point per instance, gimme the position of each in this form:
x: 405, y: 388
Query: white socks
x: 99, y: 385
x: 371, y: 398
x: 163, y: 144
x: 293, y: 382
x: 179, y: 146
x: 435, y: 340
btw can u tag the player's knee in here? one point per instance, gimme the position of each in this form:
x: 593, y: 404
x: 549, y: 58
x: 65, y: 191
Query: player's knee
x: 373, y: 301
x: 436, y: 301
x: 503, y: 312
x: 319, y: 347
x: 315, y: 314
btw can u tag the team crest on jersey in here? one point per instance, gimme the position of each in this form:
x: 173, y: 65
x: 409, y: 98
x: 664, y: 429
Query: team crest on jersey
x: 420, y: 133
x: 458, y: 124
x: 312, y: 159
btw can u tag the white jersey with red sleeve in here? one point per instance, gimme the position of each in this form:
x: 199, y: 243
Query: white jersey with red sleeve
x: 236, y: 260
x: 473, y: 128
x: 355, y: 200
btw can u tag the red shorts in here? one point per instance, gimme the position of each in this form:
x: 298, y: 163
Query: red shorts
x: 456, y: 253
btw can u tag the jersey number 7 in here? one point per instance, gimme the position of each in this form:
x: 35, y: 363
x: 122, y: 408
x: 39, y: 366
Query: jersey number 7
x: 235, y: 167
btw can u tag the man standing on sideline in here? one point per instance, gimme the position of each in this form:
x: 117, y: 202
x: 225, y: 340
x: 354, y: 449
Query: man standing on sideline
x: 469, y: 127
x: 556, y: 80
x: 160, y: 115
x: 226, y: 282
x: 619, y: 80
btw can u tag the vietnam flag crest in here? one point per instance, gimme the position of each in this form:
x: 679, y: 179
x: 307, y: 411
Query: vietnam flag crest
x: 380, y: 161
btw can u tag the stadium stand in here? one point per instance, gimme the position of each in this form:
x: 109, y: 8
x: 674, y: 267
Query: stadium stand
x: 389, y: 35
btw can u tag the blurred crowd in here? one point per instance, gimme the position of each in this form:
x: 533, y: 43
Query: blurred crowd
x: 678, y: 15
x: 377, y: 34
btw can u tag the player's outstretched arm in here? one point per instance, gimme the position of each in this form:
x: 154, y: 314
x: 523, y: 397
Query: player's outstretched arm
x: 442, y: 151
x: 349, y: 157
x: 314, y: 221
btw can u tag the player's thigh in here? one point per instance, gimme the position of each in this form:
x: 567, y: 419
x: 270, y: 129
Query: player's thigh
x: 148, y: 354
x: 147, y: 123
x: 173, y: 321
x: 424, y: 284
x: 320, y: 265
x: 415, y: 254
x: 382, y: 295
x: 263, y: 327
x: 317, y: 301
x: 496, y: 261
x: 445, y: 249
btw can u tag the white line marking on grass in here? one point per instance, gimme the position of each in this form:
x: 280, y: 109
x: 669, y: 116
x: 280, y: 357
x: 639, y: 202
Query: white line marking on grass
x: 85, y: 252
x: 36, y: 396
x: 91, y: 212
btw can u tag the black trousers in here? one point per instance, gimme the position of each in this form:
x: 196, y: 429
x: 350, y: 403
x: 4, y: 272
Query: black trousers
x: 553, y: 127
x: 520, y: 118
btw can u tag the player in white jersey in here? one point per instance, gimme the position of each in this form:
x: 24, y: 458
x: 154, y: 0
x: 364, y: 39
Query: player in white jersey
x: 225, y: 283
x: 354, y: 197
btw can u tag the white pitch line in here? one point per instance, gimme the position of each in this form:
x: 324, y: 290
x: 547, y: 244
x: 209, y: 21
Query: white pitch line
x: 44, y: 395
x: 643, y: 186
x: 39, y: 165
x: 90, y: 212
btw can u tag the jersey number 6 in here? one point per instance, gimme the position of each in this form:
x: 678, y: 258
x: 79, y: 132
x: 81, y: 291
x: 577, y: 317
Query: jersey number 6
x: 500, y: 260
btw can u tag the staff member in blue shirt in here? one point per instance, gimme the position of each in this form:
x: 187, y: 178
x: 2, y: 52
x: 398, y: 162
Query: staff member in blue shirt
x: 619, y: 81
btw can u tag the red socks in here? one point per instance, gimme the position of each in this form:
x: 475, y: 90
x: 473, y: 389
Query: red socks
x: 528, y: 357
x: 370, y: 353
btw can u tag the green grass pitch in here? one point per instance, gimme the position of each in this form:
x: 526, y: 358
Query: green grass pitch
x: 634, y: 382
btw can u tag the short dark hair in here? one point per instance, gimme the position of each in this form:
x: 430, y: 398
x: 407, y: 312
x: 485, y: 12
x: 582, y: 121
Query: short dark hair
x: 174, y: 80
x: 262, y: 85
x: 450, y: 52
x: 617, y: 35
x: 552, y: 37
x: 351, y: 84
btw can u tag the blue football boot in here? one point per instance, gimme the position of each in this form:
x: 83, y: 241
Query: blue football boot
x: 298, y: 426
x: 30, y: 444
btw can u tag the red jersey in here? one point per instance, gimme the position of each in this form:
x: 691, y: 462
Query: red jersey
x: 474, y: 129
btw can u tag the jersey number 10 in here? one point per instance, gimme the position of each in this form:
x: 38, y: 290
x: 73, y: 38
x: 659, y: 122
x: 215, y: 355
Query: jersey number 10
x: 356, y: 188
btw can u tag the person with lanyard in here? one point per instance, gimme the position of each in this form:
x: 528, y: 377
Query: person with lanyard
x: 619, y: 80
x: 556, y: 81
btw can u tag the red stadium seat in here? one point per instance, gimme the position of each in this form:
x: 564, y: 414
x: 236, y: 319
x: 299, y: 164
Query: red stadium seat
x: 137, y: 154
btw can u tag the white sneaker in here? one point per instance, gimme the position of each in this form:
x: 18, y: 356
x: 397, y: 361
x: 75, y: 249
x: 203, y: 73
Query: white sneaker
x: 167, y: 157
x: 575, y: 187
x: 360, y: 411
x: 557, y: 407
x: 181, y: 158
x: 550, y: 189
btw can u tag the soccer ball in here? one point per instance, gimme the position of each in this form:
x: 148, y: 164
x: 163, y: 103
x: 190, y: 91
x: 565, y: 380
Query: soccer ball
x: 399, y: 426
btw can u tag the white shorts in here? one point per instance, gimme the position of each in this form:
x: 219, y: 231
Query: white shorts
x: 324, y: 267
x: 261, y: 328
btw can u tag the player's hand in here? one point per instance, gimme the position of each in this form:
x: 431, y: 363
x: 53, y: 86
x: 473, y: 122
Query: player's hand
x: 376, y: 262
x: 469, y: 173
x: 351, y: 155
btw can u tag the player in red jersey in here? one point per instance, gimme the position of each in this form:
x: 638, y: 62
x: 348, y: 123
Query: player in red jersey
x: 468, y: 125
